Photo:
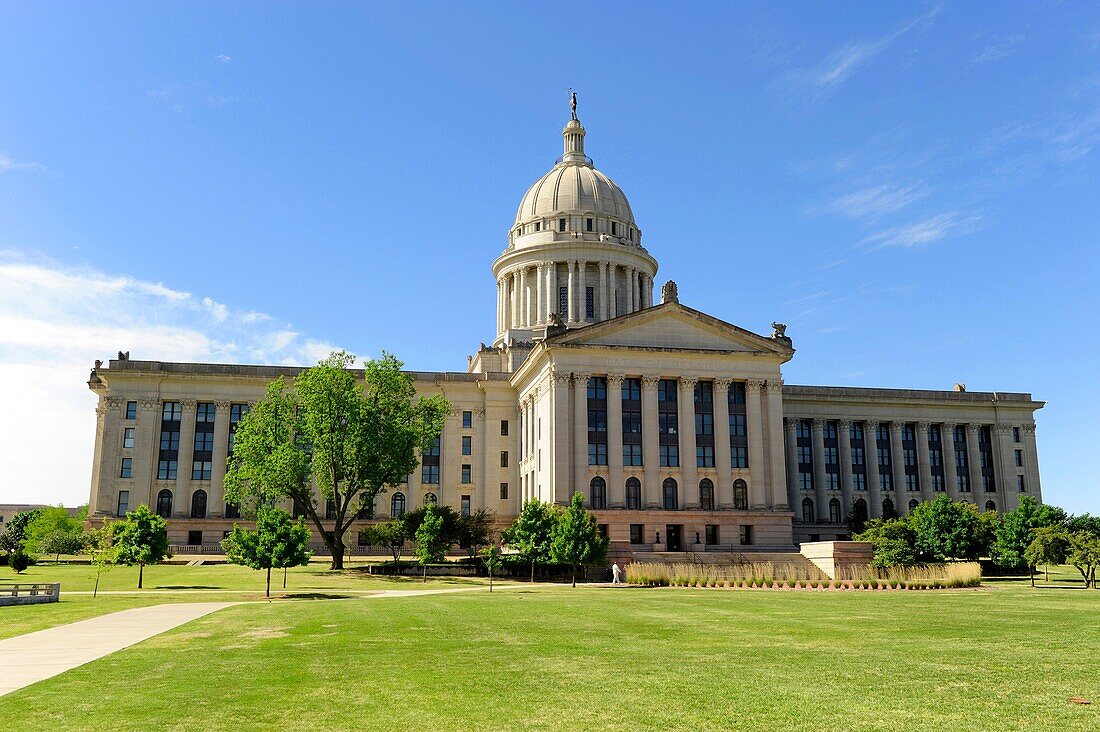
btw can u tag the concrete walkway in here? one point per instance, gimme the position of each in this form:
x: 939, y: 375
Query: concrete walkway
x: 26, y: 659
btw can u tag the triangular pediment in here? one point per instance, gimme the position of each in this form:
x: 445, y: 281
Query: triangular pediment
x: 672, y: 326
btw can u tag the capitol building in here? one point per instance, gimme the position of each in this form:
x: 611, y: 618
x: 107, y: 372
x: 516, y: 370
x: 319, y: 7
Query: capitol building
x: 675, y: 425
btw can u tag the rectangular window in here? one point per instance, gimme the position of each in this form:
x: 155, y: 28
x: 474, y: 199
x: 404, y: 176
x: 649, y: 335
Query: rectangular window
x: 467, y: 474
x: 597, y: 420
x: 236, y: 411
x: 429, y: 474
x: 194, y: 538
x: 330, y: 509
x: 166, y: 470
x: 614, y: 229
x: 128, y: 437
x: 538, y: 226
x: 1021, y: 486
x: 588, y: 224
x: 204, y: 441
x: 205, y: 412
x: 467, y: 420
x: 597, y: 453
x: 131, y: 410
x: 123, y: 503
x: 1015, y: 434
x: 637, y: 533
x: 712, y: 535
x: 201, y: 469
x: 170, y: 440
x: 670, y: 456
x: 467, y: 445
x: 503, y: 428
x: 127, y: 470
x: 171, y: 412
x: 632, y: 455
x: 632, y: 422
x: 745, y: 535
x: 561, y: 224
x: 589, y: 302
x: 704, y: 456
x: 859, y: 481
x: 563, y: 301
x: 1019, y: 458
x: 504, y: 458
x: 464, y: 505
x: 503, y: 491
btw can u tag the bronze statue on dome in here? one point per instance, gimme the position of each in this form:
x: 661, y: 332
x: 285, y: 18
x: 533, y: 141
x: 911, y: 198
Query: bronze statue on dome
x: 573, y: 103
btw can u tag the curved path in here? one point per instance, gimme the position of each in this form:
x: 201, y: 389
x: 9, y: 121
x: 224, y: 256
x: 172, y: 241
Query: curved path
x: 32, y: 657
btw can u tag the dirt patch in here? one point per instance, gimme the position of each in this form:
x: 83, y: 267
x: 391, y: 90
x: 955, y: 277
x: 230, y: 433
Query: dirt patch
x: 260, y: 633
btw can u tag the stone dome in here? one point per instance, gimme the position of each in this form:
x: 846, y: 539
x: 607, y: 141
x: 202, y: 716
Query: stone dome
x: 575, y: 187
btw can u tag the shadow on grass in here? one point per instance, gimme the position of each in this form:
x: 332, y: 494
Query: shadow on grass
x: 188, y: 587
x: 316, y: 596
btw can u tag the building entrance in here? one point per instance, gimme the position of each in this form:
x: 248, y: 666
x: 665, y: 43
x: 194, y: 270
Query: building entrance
x: 674, y: 534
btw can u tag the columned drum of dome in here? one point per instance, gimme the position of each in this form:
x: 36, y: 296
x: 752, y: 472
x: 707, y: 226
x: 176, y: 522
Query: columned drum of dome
x: 574, y: 251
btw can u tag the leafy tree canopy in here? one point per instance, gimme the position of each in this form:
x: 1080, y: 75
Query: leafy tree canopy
x: 391, y: 534
x: 894, y: 542
x: 946, y: 529
x: 1015, y: 531
x: 278, y: 542
x: 142, y: 538
x: 530, y: 533
x: 54, y: 531
x: 16, y: 532
x: 576, y: 539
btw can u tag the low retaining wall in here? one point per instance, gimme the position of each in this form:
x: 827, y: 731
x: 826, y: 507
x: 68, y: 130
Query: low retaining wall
x: 833, y: 557
x: 29, y: 594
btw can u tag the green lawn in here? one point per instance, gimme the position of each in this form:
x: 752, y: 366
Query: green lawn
x: 188, y: 584
x: 1004, y: 657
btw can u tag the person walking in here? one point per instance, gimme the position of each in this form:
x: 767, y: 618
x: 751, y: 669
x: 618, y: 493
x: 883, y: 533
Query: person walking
x: 616, y: 574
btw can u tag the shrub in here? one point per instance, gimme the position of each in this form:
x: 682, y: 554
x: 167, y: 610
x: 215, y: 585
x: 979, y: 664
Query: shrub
x: 19, y: 561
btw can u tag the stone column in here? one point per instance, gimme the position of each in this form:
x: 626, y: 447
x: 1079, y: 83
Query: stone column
x: 582, y: 291
x: 923, y: 463
x: 481, y: 477
x: 601, y: 296
x: 572, y: 291
x: 642, y: 289
x: 559, y: 397
x: 551, y: 289
x: 633, y: 299
x: 1031, y: 459
x: 580, y: 434
x: 617, y: 489
x: 650, y: 450
x: 870, y: 456
x: 499, y: 329
x: 844, y: 446
x: 897, y: 462
x: 947, y: 449
x: 524, y: 300
x: 821, y: 500
x: 777, y: 472
x: 146, y: 448
x: 95, y: 504
x: 1006, y: 466
x: 513, y: 321
x: 974, y: 463
x: 216, y: 506
x: 757, y: 467
x: 685, y: 408
x: 186, y: 455
x: 723, y: 463
x: 540, y: 295
x: 790, y: 431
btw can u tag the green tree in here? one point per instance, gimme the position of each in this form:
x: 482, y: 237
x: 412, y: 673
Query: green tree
x: 277, y: 543
x: 1049, y: 545
x: 1014, y: 533
x: 15, y: 534
x: 450, y: 517
x: 142, y: 538
x: 99, y: 545
x: 54, y: 531
x: 894, y: 542
x: 19, y: 560
x: 475, y: 530
x: 390, y: 534
x: 491, y: 554
x: 530, y: 533
x: 986, y: 532
x: 431, y: 544
x: 1086, y: 523
x: 945, y: 529
x: 1084, y: 554
x: 352, y: 436
x: 576, y: 539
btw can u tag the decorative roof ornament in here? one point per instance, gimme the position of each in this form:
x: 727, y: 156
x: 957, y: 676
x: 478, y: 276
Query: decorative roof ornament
x: 669, y: 292
x: 573, y: 103
x: 779, y: 333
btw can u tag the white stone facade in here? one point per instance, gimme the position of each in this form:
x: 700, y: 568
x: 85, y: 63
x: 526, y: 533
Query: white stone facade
x: 676, y: 426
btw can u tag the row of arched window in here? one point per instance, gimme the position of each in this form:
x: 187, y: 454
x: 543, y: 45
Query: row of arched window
x: 670, y: 494
x: 198, y: 504
x: 859, y: 509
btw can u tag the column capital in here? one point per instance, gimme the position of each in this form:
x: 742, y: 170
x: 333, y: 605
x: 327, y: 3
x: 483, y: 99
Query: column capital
x: 895, y: 428
x: 188, y: 405
x: 559, y: 379
x: 687, y: 383
x: 113, y: 402
x: 842, y: 424
x: 149, y: 403
x: 649, y: 383
x: 869, y: 425
x: 790, y: 422
x: 947, y: 425
x: 722, y: 383
x: 923, y: 426
x: 754, y: 384
x: 1028, y: 428
x: 818, y: 424
x: 616, y: 380
x: 580, y: 378
x: 775, y: 385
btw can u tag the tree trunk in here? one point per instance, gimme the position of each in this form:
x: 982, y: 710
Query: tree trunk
x: 96, y: 588
x: 269, y: 581
x: 574, y: 575
x: 284, y: 578
x: 1046, y: 572
x: 1031, y: 571
x: 532, y: 570
x: 141, y: 571
x: 425, y: 574
x: 490, y: 580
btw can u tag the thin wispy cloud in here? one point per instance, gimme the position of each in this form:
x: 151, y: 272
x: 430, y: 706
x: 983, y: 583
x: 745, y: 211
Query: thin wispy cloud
x: 55, y: 321
x: 924, y: 232
x: 843, y: 62
x: 222, y: 58
x: 873, y: 202
x: 8, y: 164
x: 999, y: 49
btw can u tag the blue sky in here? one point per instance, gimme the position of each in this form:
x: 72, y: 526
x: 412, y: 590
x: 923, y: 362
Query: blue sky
x: 911, y: 187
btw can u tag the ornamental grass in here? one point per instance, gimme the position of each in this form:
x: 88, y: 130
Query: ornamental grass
x: 789, y: 575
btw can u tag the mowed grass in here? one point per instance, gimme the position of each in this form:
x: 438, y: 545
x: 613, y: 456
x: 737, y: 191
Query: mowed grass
x: 999, y: 658
x: 180, y: 583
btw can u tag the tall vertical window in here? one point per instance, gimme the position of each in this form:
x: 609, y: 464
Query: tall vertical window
x: 131, y: 410
x: 467, y: 473
x: 704, y: 424
x: 563, y: 301
x: 589, y: 302
x: 706, y: 494
x: 671, y: 494
x: 203, y: 454
x: 429, y: 462
x: 503, y: 428
x: 168, y: 456
x: 1015, y: 434
x: 198, y: 504
x: 633, y: 493
x: 1021, y: 485
x: 832, y: 456
x: 885, y: 465
x: 597, y: 420
x: 128, y: 437
x: 740, y: 495
x: 467, y: 420
x: 859, y: 465
x: 467, y: 445
x: 127, y: 470
x: 164, y: 503
x: 909, y: 457
x: 632, y: 422
x: 834, y: 511
x: 739, y: 441
x: 667, y: 424
x: 503, y: 491
x: 807, y: 510
x: 598, y: 493
x: 962, y: 459
x: 614, y: 229
x: 504, y: 458
x: 123, y: 503
x: 464, y: 505
x: 236, y: 412
x: 935, y: 457
x: 397, y: 505
x: 561, y: 224
x: 588, y: 224
x: 804, y: 445
x: 985, y: 455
